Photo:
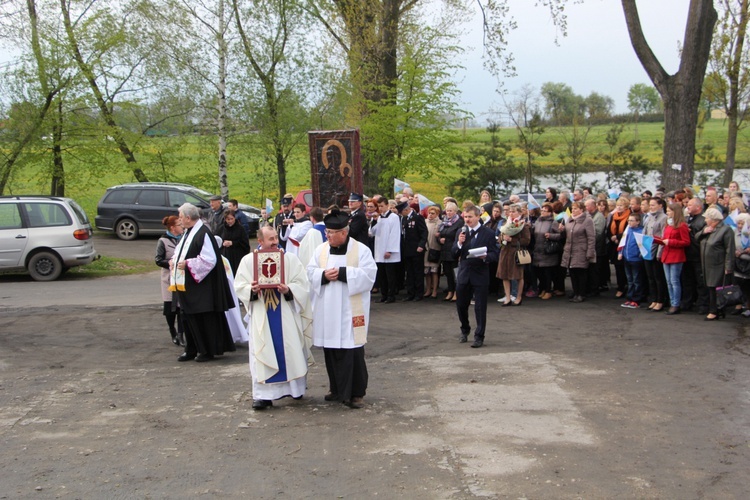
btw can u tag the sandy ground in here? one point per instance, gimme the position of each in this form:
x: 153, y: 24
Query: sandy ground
x: 564, y: 401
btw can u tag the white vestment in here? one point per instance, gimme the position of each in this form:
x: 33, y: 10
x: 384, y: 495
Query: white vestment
x: 296, y: 327
x: 387, y: 233
x: 310, y: 242
x: 234, y: 318
x: 332, y: 302
x: 295, y: 236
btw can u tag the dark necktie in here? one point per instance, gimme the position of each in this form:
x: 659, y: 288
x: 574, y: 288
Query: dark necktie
x: 472, y: 233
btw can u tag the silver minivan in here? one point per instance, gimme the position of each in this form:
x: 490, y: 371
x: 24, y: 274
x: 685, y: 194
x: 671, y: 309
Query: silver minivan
x: 46, y: 235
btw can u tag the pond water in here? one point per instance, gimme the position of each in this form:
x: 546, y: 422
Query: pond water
x: 598, y: 180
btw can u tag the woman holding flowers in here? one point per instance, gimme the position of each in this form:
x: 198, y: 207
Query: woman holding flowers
x: 514, y: 235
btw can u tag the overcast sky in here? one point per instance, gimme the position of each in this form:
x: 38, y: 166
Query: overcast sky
x: 595, y: 56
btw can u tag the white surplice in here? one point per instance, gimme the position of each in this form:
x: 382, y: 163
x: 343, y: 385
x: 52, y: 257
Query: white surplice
x: 296, y: 327
x: 331, y: 304
x: 387, y: 233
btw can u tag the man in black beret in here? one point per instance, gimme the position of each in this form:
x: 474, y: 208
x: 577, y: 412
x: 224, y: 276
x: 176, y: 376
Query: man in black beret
x: 342, y: 272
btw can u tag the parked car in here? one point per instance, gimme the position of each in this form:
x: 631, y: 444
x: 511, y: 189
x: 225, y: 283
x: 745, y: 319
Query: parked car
x: 134, y: 209
x: 305, y: 197
x: 45, y: 235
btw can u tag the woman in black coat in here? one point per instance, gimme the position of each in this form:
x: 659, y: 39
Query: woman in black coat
x: 235, y: 243
x: 446, y: 234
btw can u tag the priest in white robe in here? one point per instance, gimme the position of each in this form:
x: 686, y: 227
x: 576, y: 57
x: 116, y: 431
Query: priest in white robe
x: 279, y: 326
x: 342, y: 272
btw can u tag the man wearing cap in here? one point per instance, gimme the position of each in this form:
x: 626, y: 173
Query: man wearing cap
x: 283, y: 219
x: 342, y: 272
x: 279, y: 327
x: 357, y: 219
x: 215, y: 215
x: 413, y: 243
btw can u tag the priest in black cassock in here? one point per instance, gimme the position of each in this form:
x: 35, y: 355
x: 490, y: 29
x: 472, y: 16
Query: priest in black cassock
x: 197, y: 275
x: 342, y: 272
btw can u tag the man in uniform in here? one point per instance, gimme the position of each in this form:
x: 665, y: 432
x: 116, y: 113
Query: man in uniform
x: 342, y: 272
x: 280, y: 326
x: 413, y: 243
x: 284, y: 219
x: 357, y: 219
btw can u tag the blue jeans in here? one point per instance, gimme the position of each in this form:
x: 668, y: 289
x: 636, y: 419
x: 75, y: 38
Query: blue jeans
x: 673, y: 272
x: 634, y: 272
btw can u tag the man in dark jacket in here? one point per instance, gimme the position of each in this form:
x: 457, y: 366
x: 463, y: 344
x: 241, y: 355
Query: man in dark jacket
x: 357, y: 219
x: 413, y: 244
x: 473, y: 273
x: 284, y: 219
x: 694, y: 291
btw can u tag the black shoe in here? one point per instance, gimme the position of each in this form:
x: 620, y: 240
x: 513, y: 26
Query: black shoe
x: 463, y: 339
x: 673, y: 310
x: 390, y: 300
x: 410, y: 298
x: 477, y: 343
x: 331, y: 397
x: 186, y: 357
x: 418, y: 298
x: 202, y: 358
x: 261, y: 404
x: 383, y: 299
x: 355, y: 403
x: 176, y: 340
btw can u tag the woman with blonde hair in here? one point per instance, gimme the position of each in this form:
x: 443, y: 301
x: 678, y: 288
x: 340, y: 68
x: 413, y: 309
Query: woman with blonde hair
x: 617, y: 222
x: 446, y: 234
x: 432, y: 253
x: 514, y: 235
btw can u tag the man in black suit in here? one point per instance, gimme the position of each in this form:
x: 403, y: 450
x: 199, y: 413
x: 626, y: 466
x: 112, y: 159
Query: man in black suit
x: 357, y: 219
x: 473, y: 278
x: 413, y: 243
x: 694, y: 291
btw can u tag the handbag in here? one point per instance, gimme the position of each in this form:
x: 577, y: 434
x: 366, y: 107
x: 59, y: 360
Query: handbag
x: 523, y: 257
x: 433, y: 256
x: 742, y: 266
x: 551, y: 247
x: 728, y: 296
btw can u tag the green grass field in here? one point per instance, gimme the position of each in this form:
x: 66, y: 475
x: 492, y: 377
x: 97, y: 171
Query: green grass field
x: 193, y: 160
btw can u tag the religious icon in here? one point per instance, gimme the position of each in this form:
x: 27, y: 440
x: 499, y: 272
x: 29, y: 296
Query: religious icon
x: 336, y: 169
x: 269, y: 267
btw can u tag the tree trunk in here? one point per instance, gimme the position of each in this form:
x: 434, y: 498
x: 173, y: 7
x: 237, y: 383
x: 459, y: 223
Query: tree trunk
x: 680, y: 92
x: 222, y: 115
x: 104, y: 110
x: 734, y: 71
x: 58, y: 170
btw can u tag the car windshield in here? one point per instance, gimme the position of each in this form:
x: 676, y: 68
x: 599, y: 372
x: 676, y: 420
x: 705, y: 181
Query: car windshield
x: 80, y: 213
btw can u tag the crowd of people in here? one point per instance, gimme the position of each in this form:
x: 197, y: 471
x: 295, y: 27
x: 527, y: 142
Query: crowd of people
x: 669, y: 252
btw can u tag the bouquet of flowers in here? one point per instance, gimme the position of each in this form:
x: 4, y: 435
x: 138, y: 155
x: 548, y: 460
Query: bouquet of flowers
x: 512, y: 227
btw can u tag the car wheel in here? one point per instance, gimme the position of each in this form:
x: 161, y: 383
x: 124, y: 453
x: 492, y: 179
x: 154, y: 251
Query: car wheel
x: 45, y: 266
x: 126, y: 229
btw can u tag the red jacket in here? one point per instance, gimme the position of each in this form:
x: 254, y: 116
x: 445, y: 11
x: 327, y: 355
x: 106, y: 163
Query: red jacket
x: 679, y: 239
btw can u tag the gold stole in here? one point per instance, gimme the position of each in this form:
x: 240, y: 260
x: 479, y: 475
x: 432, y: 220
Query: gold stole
x: 355, y: 301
